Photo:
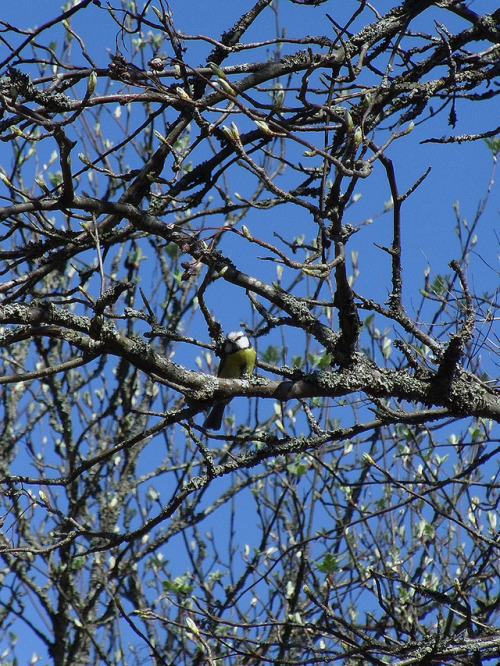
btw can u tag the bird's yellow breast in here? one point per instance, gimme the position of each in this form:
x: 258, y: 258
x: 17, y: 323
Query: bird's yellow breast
x: 238, y: 363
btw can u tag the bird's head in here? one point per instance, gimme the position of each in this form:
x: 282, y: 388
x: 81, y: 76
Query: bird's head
x: 236, y: 341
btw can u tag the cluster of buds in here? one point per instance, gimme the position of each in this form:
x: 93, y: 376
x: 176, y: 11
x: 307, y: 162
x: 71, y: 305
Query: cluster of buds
x: 121, y: 70
x: 157, y: 63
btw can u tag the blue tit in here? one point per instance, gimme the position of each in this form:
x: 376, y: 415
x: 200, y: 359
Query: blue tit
x: 238, y: 359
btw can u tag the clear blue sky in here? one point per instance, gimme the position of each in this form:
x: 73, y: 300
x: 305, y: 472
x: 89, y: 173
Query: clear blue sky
x: 459, y: 173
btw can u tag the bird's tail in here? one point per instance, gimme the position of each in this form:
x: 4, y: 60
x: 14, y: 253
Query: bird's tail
x: 214, y: 418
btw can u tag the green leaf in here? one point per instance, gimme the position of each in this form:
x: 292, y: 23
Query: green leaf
x: 298, y: 468
x: 329, y: 564
x: 180, y: 586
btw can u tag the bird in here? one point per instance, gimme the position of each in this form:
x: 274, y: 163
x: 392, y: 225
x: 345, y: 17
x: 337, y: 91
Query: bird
x: 237, y: 359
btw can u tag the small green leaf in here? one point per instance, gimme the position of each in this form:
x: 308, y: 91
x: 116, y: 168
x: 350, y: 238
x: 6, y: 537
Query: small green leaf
x: 329, y: 564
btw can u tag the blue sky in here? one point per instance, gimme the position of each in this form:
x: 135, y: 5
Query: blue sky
x: 459, y: 172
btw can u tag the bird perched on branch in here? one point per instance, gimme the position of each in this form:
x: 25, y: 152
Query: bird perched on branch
x: 237, y: 360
